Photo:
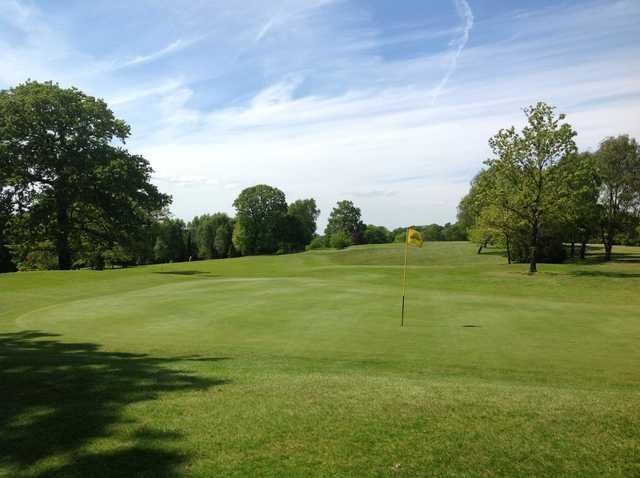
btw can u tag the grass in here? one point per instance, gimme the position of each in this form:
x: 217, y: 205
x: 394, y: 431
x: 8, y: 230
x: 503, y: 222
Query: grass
x: 296, y: 366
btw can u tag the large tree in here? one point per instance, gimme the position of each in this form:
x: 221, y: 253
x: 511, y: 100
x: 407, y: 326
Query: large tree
x: 527, y: 176
x: 306, y: 213
x: 618, y: 167
x: 345, y: 218
x: 72, y: 184
x: 260, y: 212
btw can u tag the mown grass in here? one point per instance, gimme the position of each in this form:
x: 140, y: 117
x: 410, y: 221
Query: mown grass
x: 296, y: 366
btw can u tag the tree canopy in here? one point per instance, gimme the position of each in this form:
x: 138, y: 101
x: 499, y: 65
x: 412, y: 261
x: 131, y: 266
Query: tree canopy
x: 538, y: 193
x: 617, y: 163
x: 70, y: 184
x: 260, y: 211
x: 345, y: 218
x: 306, y: 212
x: 526, y: 181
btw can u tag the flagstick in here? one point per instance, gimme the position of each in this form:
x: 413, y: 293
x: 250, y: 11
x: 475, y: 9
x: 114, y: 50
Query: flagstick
x: 404, y: 276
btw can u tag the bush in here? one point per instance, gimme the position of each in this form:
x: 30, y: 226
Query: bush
x: 339, y: 240
x: 400, y: 236
x: 316, y: 243
x: 39, y: 257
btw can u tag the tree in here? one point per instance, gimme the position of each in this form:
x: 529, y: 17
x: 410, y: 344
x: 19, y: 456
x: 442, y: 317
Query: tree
x: 203, y: 234
x: 580, y: 209
x: 377, y: 234
x: 161, y: 251
x: 453, y: 232
x: 494, y: 224
x: 479, y: 197
x: 617, y: 164
x: 307, y: 213
x: 6, y: 213
x: 345, y: 218
x: 292, y: 235
x: 205, y: 230
x: 432, y: 232
x: 526, y: 173
x: 260, y: 212
x: 222, y: 241
x: 171, y: 237
x: 71, y: 184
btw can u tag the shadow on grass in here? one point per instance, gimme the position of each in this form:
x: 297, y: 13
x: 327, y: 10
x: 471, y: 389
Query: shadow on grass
x: 489, y: 251
x: 186, y: 273
x: 595, y: 256
x: 611, y: 274
x: 58, y: 398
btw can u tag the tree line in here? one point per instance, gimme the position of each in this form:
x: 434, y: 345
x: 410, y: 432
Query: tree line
x: 538, y: 193
x: 72, y: 196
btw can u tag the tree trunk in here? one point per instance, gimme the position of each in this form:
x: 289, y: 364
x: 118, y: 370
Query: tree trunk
x: 608, y: 246
x: 508, y: 248
x: 533, y: 266
x: 583, y: 250
x: 573, y: 249
x: 63, y: 249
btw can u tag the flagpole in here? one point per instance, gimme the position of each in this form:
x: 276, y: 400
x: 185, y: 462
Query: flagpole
x: 404, y: 275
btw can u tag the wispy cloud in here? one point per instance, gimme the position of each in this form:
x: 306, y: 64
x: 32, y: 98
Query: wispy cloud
x: 133, y: 95
x: 464, y: 10
x: 187, y: 180
x: 265, y: 28
x: 374, y: 193
x: 173, y: 47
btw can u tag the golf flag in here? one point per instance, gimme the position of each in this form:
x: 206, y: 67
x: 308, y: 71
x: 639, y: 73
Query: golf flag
x: 414, y: 238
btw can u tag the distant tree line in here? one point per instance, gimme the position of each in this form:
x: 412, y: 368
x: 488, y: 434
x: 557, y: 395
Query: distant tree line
x: 345, y: 228
x: 538, y: 193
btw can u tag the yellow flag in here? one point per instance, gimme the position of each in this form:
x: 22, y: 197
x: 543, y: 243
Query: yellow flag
x: 414, y: 238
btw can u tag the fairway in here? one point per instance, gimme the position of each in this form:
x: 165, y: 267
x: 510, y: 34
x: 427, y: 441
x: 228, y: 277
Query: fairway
x: 296, y: 365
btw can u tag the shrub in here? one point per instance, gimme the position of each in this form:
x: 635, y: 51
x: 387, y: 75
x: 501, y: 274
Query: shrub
x: 316, y: 243
x: 339, y: 240
x: 39, y: 257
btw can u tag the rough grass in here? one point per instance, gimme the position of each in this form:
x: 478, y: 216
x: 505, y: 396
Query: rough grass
x: 296, y: 366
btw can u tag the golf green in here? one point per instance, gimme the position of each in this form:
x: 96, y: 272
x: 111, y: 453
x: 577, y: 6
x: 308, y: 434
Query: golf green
x: 296, y: 365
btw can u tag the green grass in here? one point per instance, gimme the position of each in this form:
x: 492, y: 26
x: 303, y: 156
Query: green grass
x: 296, y: 366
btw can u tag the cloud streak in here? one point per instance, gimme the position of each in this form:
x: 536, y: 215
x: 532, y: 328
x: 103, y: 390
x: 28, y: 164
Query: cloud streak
x: 464, y: 11
x: 171, y: 48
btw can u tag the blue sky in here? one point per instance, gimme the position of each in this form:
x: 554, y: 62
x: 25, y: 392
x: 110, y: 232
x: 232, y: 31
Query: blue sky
x: 389, y: 104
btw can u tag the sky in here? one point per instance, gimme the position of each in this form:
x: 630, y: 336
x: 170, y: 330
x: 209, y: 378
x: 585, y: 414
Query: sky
x: 388, y: 104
